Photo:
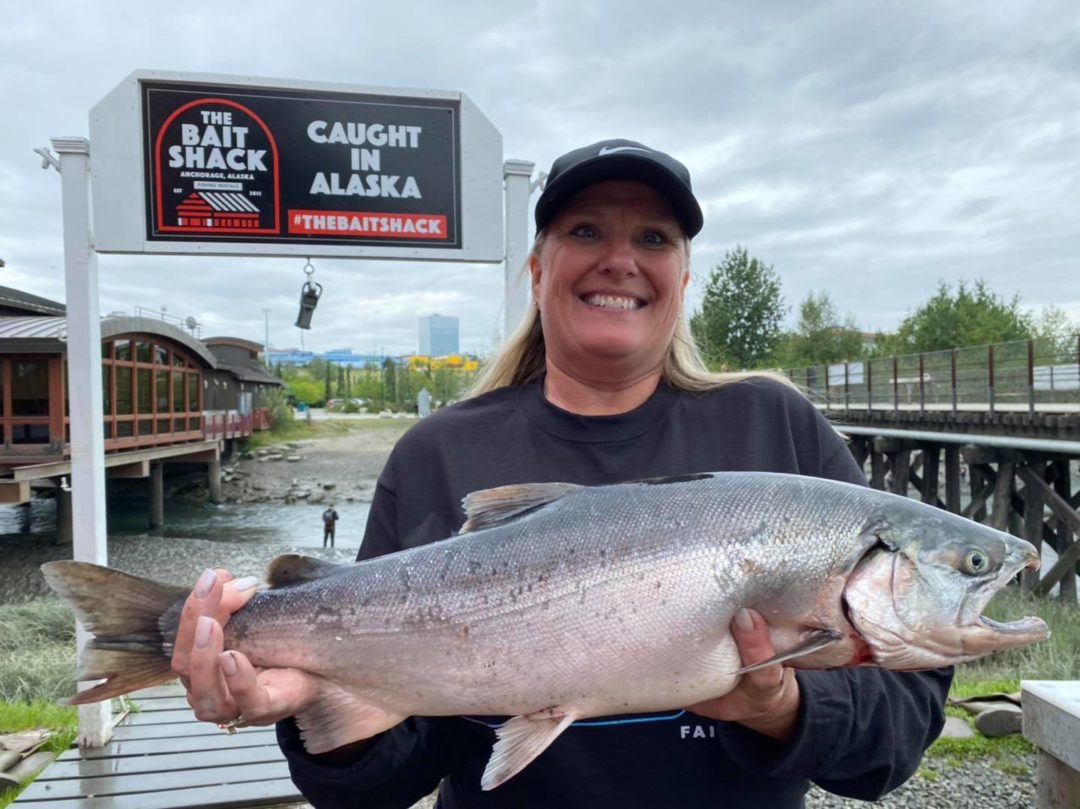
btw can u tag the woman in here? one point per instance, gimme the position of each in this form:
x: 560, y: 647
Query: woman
x: 601, y: 383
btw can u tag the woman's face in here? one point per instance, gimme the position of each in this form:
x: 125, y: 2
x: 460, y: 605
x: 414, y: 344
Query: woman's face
x: 609, y: 280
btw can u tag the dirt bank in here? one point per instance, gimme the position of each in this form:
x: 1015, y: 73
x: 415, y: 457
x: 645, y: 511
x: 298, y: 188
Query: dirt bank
x: 341, y: 463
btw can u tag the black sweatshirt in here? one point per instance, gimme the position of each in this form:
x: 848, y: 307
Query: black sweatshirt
x: 861, y: 731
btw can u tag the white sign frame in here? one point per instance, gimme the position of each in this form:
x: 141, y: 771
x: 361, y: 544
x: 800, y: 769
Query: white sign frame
x: 117, y: 178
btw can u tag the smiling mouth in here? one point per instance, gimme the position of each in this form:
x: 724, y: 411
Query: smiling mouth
x: 612, y: 301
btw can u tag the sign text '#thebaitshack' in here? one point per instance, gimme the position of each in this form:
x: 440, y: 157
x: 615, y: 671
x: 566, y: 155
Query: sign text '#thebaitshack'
x: 287, y: 166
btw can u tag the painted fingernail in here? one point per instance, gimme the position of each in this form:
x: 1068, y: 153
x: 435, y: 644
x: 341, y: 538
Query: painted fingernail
x: 228, y: 663
x: 744, y: 620
x: 205, y: 583
x: 245, y: 583
x: 202, y: 630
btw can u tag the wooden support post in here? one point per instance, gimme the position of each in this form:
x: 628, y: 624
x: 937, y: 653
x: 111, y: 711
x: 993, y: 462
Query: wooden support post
x: 877, y: 470
x: 977, y: 504
x: 1066, y: 535
x: 901, y: 470
x: 952, y: 478
x: 931, y: 460
x: 1003, y: 496
x: 1067, y: 557
x: 213, y: 473
x: 157, y: 494
x: 65, y: 534
x: 1033, y: 524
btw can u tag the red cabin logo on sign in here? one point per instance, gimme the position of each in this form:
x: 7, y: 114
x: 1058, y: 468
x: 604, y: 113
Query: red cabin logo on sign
x: 216, y: 171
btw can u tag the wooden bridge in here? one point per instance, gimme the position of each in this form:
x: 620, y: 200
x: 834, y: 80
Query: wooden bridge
x: 992, y: 433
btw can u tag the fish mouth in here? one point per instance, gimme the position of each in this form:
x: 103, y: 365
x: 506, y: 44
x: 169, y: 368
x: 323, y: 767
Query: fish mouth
x: 1029, y: 626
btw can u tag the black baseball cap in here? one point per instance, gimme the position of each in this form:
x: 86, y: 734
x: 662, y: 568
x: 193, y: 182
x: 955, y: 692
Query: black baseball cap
x: 619, y: 160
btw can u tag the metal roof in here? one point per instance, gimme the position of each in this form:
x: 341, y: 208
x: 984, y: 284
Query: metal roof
x: 48, y: 335
x: 251, y: 373
x: 18, y: 299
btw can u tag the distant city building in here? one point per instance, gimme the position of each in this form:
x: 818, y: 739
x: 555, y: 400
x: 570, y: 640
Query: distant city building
x: 438, y: 336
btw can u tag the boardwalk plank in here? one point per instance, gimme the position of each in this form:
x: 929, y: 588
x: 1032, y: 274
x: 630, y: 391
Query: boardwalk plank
x: 256, y: 793
x: 164, y: 760
x: 123, y: 784
x: 187, y: 744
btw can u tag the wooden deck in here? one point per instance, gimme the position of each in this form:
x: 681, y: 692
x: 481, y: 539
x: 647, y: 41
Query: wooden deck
x: 161, y: 757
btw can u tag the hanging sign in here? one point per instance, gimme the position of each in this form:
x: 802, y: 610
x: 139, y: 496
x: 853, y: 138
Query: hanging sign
x: 242, y: 166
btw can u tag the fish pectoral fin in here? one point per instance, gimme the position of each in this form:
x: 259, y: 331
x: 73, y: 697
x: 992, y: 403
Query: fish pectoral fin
x: 293, y: 568
x: 489, y: 507
x: 339, y: 718
x: 817, y: 639
x: 521, y: 739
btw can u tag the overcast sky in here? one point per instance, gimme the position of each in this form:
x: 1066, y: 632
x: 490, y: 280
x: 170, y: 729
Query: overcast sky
x: 869, y: 150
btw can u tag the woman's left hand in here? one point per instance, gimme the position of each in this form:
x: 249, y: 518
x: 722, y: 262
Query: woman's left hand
x: 766, y: 700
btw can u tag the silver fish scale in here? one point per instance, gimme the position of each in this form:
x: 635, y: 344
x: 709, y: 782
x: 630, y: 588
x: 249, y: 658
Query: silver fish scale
x: 609, y: 599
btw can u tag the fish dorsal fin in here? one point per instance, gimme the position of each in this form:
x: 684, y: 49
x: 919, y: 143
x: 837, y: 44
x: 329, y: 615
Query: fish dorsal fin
x: 293, y: 568
x: 521, y: 739
x: 489, y: 507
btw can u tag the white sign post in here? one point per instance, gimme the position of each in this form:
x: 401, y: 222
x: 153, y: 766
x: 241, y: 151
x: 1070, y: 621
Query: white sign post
x: 516, y: 177
x: 84, y: 393
x: 227, y: 165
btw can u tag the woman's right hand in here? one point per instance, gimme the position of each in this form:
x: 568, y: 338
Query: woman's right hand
x: 223, y: 686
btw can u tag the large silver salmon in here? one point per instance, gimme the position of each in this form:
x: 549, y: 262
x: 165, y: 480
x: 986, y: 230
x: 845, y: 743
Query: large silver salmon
x: 559, y: 602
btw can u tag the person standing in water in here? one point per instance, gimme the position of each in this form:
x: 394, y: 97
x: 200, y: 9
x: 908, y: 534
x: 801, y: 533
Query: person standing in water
x: 329, y: 521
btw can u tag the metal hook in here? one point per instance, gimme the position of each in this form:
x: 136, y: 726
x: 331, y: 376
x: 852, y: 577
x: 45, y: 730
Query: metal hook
x: 309, y: 269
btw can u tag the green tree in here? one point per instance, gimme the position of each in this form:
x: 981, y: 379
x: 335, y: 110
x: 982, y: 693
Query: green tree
x: 340, y: 391
x: 389, y: 382
x: 738, y: 325
x: 971, y: 316
x: 1056, y: 335
x: 327, y: 396
x: 820, y: 337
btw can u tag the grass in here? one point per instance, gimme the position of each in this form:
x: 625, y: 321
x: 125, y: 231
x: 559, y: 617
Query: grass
x: 37, y: 668
x: 37, y: 651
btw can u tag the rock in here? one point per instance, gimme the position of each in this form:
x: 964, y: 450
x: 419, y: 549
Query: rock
x: 262, y: 451
x: 329, y: 486
x: 246, y: 455
x: 294, y: 458
x: 277, y: 456
x: 303, y: 494
x: 292, y: 445
x: 1000, y: 720
x: 317, y: 497
x: 956, y: 728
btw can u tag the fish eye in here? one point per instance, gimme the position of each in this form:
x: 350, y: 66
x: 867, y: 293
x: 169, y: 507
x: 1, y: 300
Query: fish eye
x: 976, y: 562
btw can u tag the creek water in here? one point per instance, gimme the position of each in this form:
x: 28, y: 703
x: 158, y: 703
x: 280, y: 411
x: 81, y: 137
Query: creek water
x: 298, y: 525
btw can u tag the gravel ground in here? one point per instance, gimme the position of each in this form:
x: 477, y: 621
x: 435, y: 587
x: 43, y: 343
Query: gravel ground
x: 973, y: 785
x: 354, y: 460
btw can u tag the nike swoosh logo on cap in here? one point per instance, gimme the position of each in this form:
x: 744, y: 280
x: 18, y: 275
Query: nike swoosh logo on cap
x: 612, y: 149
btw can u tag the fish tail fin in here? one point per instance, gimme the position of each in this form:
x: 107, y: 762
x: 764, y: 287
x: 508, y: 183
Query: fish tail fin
x: 133, y: 621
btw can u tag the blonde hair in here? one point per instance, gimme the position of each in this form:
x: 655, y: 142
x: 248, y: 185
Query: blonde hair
x: 521, y: 357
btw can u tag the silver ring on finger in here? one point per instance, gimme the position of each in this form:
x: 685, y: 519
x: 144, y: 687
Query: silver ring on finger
x: 233, y: 725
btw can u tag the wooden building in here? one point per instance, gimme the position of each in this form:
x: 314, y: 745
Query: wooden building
x: 166, y: 398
